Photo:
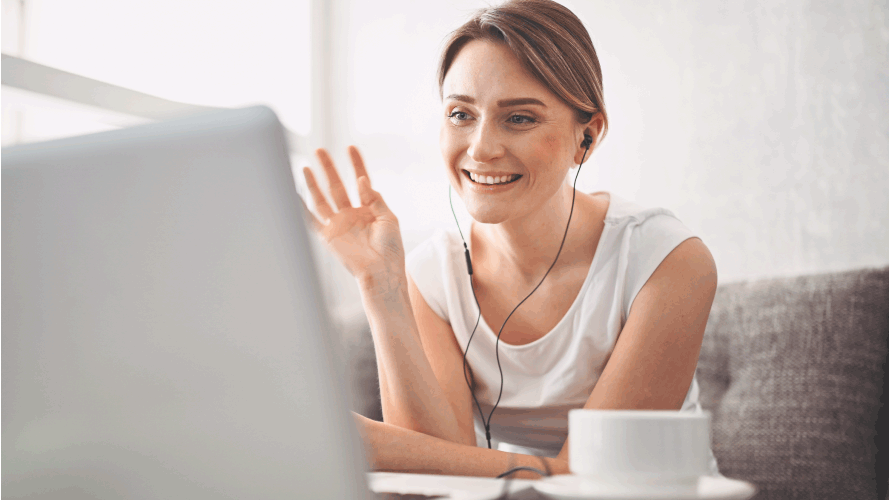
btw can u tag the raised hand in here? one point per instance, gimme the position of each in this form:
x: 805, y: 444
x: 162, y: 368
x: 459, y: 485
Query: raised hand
x: 366, y: 239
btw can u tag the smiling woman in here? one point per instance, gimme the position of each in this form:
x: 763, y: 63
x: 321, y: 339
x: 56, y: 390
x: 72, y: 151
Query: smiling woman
x: 497, y: 115
x: 598, y: 302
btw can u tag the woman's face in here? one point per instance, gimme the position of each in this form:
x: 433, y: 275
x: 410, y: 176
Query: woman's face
x: 499, y: 121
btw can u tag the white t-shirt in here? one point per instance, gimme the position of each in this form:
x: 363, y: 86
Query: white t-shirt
x: 544, y: 379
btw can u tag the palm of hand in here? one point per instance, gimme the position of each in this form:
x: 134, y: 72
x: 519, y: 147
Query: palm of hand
x: 361, y: 239
x: 366, y: 239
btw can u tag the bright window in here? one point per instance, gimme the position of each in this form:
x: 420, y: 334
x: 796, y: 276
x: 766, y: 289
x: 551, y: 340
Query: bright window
x: 214, y: 53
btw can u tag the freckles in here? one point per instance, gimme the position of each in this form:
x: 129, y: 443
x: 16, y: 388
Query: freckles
x: 450, y: 149
x: 550, y: 151
x: 445, y: 142
x: 558, y: 145
x: 549, y: 146
x: 552, y: 142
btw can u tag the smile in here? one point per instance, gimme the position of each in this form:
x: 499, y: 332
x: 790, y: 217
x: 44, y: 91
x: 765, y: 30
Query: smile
x: 489, y: 181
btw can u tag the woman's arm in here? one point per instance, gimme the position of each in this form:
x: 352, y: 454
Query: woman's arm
x: 654, y: 360
x: 367, y: 240
x: 411, y: 395
x: 391, y: 448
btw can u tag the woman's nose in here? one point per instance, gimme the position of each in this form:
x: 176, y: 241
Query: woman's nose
x: 485, y: 144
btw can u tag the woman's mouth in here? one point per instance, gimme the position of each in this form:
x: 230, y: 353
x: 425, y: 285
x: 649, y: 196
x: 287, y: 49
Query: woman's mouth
x: 483, y: 180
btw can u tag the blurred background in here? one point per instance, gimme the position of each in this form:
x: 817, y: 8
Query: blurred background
x: 762, y: 124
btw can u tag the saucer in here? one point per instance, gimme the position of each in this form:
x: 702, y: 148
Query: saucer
x: 572, y: 487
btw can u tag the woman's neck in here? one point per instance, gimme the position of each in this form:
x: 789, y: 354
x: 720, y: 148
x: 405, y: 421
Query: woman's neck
x: 526, y: 247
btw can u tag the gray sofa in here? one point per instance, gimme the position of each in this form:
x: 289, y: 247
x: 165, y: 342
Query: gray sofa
x: 792, y: 370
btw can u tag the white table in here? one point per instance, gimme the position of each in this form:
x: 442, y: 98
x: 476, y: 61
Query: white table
x: 433, y: 484
x: 482, y: 488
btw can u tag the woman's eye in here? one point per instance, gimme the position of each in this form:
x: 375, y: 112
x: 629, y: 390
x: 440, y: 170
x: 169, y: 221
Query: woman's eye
x: 521, y: 119
x: 458, y: 115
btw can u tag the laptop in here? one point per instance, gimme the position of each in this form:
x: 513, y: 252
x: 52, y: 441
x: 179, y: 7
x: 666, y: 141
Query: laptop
x: 163, y: 331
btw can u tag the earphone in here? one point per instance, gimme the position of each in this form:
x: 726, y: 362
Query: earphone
x: 587, y: 142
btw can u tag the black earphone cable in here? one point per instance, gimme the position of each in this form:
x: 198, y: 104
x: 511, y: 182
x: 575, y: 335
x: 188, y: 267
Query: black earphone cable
x: 586, y: 142
x: 465, y: 366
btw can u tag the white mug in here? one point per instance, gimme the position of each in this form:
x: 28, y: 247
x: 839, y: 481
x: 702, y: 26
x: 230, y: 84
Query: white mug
x: 641, y: 447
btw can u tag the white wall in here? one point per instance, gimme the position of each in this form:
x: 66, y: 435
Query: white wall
x: 762, y: 124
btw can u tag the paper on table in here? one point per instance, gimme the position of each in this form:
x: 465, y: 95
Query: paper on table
x: 433, y: 484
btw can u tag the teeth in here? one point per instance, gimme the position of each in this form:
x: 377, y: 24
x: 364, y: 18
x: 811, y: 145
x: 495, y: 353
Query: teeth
x: 487, y: 179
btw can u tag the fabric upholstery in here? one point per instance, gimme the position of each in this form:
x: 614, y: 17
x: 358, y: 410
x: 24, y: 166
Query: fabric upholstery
x: 365, y: 381
x: 792, y: 371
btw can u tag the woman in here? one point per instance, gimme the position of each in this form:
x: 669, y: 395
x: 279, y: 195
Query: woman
x: 621, y: 294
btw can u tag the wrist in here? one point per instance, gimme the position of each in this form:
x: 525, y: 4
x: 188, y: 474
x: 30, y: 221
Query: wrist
x: 381, y: 283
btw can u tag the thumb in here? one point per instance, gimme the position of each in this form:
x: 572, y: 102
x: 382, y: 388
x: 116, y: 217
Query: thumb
x: 371, y: 198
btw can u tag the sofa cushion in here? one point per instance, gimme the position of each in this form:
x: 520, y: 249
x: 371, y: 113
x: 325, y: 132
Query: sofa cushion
x: 363, y: 374
x: 792, y: 371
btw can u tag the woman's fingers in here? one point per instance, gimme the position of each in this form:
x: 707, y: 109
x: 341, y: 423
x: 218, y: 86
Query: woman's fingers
x: 368, y: 196
x: 317, y: 196
x: 358, y: 163
x: 311, y: 220
x: 337, y: 190
x: 365, y: 193
x: 371, y: 198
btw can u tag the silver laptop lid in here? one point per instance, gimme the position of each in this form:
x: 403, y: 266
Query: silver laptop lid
x: 163, y: 332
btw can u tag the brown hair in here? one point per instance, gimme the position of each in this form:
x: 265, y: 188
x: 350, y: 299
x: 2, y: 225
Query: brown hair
x: 549, y: 40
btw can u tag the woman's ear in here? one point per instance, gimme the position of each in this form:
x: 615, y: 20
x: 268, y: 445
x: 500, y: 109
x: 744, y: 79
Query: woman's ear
x: 591, y: 132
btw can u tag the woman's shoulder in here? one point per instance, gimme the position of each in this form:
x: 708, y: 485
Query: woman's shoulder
x: 622, y: 211
x: 643, y: 236
x: 437, y: 251
x: 650, y: 226
x: 439, y: 243
x: 432, y: 266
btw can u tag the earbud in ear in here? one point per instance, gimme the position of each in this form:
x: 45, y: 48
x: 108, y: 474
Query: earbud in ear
x: 587, y: 141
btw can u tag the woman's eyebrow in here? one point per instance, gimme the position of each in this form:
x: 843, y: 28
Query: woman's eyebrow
x: 503, y: 103
x: 522, y: 101
x: 461, y: 97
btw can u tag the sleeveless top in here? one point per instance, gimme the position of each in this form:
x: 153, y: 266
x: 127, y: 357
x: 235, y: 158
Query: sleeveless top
x: 546, y: 378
